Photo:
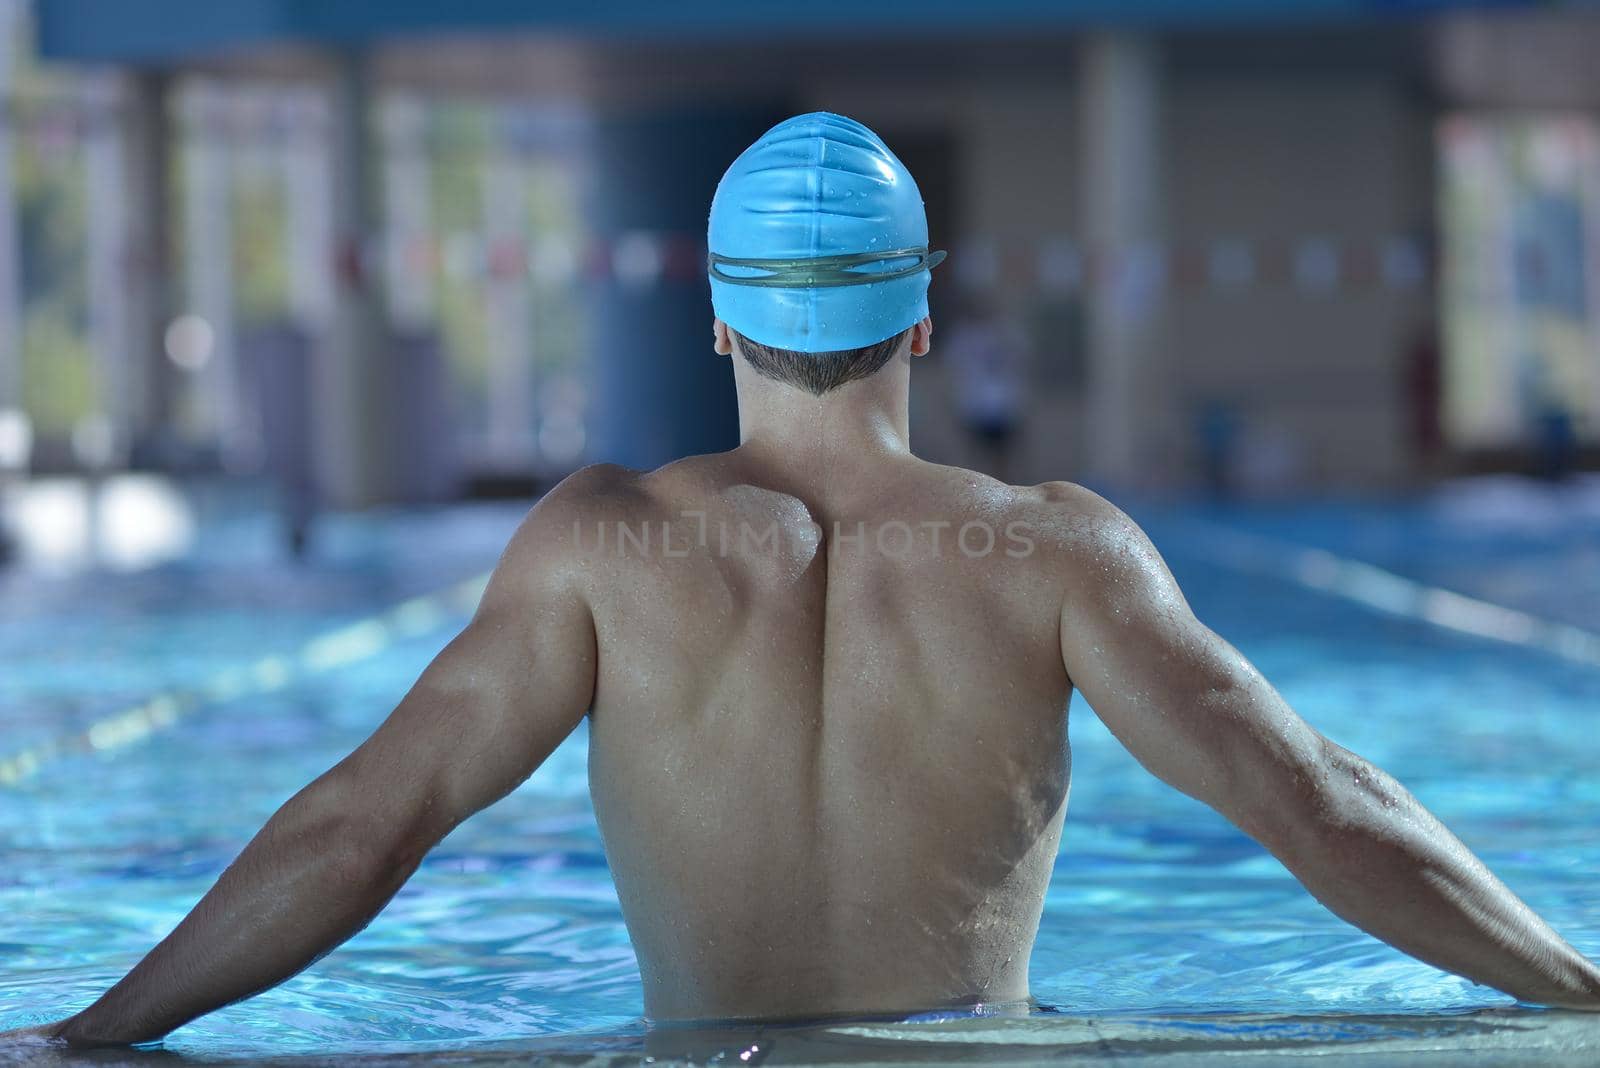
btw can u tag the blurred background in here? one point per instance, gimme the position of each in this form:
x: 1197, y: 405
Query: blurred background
x: 324, y: 257
x: 301, y: 304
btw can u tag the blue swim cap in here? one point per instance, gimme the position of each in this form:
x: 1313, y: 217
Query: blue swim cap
x: 818, y: 239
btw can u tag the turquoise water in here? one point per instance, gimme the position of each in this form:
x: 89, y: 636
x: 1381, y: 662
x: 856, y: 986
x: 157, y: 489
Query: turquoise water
x: 1159, y: 910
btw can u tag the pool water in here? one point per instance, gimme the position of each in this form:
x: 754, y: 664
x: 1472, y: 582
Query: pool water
x: 1164, y: 928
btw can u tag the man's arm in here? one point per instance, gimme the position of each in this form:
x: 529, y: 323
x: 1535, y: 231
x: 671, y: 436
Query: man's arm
x: 487, y: 712
x: 1194, y: 712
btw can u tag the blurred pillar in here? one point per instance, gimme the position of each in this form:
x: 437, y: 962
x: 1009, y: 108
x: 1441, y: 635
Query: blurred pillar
x: 352, y: 396
x: 107, y: 231
x: 147, y: 278
x: 408, y: 190
x: 285, y: 356
x: 509, y: 307
x: 1124, y: 226
x: 208, y: 253
x: 308, y: 196
x: 278, y: 359
x: 10, y: 254
x: 659, y: 392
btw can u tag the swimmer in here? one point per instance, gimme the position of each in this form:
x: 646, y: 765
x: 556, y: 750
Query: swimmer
x: 827, y: 685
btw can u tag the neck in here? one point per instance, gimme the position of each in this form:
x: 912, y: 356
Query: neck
x: 796, y: 431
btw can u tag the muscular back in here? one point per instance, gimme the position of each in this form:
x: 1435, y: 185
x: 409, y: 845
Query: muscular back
x: 828, y: 748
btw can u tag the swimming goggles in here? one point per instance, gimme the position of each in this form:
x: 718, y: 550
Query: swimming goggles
x: 822, y: 271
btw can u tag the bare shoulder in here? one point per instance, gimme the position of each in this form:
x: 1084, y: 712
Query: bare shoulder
x: 595, y: 492
x: 549, y: 543
x: 1075, y: 518
x: 1090, y: 539
x: 1071, y: 522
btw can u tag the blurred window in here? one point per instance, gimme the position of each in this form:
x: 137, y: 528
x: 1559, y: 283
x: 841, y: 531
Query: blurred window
x: 1520, y: 279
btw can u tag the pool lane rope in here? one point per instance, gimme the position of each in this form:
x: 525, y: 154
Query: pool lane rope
x: 1394, y: 595
x: 337, y: 648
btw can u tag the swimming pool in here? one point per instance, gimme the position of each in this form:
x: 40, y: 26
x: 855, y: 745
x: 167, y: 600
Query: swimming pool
x: 167, y: 713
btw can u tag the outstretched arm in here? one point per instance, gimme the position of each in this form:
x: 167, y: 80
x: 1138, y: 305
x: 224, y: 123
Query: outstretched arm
x: 484, y: 715
x: 1194, y: 712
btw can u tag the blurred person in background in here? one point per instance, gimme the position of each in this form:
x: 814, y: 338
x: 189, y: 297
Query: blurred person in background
x: 1423, y: 386
x: 987, y: 354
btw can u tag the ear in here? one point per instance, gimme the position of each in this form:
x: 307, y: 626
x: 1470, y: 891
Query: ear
x: 721, y: 342
x: 922, y: 336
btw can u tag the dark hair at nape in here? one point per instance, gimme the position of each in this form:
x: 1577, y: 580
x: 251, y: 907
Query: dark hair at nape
x: 817, y: 372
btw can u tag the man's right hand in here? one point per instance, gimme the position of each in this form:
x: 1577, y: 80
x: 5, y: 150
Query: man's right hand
x: 1194, y: 712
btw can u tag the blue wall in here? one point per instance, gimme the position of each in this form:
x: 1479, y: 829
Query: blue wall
x: 658, y: 390
x: 151, y: 31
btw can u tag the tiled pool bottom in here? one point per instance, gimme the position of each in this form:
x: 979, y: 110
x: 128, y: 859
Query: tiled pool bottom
x: 1165, y: 929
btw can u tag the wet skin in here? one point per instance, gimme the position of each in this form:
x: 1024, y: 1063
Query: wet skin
x: 828, y: 686
x: 830, y: 766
